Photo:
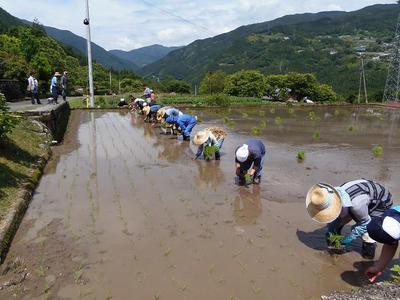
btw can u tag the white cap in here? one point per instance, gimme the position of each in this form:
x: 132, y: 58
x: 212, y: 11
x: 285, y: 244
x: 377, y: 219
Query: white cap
x: 242, y: 153
x: 145, y: 104
x: 122, y: 99
x: 392, y: 227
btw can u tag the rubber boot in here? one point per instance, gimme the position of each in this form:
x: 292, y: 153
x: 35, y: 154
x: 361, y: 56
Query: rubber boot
x: 217, y: 155
x: 368, y: 250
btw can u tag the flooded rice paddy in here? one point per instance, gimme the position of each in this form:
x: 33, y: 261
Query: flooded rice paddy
x: 123, y: 212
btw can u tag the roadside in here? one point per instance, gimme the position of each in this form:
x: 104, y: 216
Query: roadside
x: 381, y: 290
x: 23, y: 156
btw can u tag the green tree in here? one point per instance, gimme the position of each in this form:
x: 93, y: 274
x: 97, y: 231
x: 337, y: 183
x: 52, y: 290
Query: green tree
x: 176, y: 86
x: 245, y: 84
x: 213, y: 83
x: 129, y: 85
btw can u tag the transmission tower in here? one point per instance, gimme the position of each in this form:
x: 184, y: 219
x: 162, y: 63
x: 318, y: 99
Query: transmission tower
x: 392, y: 88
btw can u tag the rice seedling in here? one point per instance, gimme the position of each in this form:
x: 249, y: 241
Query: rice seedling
x: 291, y: 110
x: 256, y: 131
x: 316, y: 135
x: 272, y: 110
x: 337, y: 112
x: 377, y: 150
x: 301, y: 156
x: 231, y: 124
x: 226, y: 120
x: 209, y: 151
x: 351, y: 128
x: 313, y: 116
x: 335, y: 241
x: 278, y: 121
x: 396, y: 273
x: 245, y: 115
x: 261, y: 113
x: 263, y: 124
x: 78, y: 274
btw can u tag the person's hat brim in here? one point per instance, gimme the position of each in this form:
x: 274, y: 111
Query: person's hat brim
x: 328, y: 214
x: 160, y: 114
x: 201, y: 137
x: 146, y: 110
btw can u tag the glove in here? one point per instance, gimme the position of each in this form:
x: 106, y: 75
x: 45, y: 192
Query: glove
x: 347, y: 240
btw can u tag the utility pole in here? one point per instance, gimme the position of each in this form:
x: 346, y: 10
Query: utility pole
x: 89, y: 54
x: 392, y: 87
x: 110, y: 84
x: 363, y: 81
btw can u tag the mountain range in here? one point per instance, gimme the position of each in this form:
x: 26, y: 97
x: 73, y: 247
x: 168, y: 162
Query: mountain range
x: 322, y: 43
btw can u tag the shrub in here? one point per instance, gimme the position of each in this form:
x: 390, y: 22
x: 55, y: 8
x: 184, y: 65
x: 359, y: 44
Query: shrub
x: 7, y: 121
x: 218, y: 100
x: 245, y: 84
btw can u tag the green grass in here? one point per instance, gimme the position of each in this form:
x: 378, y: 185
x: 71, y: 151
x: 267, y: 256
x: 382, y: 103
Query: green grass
x: 167, y: 99
x: 18, y: 155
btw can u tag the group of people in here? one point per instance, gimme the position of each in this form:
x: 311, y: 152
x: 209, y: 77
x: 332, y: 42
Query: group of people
x: 58, y: 86
x: 249, y: 156
x: 368, y: 203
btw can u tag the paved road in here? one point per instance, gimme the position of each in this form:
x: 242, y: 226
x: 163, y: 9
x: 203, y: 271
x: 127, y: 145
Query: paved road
x: 24, y: 106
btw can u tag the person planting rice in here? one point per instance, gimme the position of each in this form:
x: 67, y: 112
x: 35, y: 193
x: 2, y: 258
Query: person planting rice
x: 150, y: 112
x: 139, y: 104
x: 185, y: 122
x: 210, y: 141
x: 249, y: 159
x: 385, y: 230
x: 357, y: 200
x: 167, y: 111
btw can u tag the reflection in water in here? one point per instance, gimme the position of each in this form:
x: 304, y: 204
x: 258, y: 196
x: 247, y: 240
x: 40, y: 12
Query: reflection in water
x: 210, y: 174
x: 247, y: 206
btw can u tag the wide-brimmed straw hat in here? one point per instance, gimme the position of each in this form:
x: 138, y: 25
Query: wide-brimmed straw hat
x: 160, y: 114
x: 146, y: 110
x: 324, y: 202
x: 201, y: 137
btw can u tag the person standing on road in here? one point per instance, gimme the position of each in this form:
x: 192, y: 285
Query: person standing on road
x: 357, y: 200
x: 54, y: 88
x: 249, y: 159
x: 64, y: 85
x: 385, y: 230
x: 36, y: 90
x: 31, y: 86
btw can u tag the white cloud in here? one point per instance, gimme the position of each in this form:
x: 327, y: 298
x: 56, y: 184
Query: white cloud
x: 128, y: 24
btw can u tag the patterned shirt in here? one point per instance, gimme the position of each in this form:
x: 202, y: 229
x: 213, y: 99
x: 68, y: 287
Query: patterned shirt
x: 368, y: 198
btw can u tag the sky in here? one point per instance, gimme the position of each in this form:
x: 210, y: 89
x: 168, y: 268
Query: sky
x: 131, y: 24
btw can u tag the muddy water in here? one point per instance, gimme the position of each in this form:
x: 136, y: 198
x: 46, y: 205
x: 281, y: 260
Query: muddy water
x: 145, y: 221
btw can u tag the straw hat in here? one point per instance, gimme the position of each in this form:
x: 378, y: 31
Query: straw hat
x: 324, y: 202
x: 201, y: 137
x: 146, y: 110
x: 160, y: 114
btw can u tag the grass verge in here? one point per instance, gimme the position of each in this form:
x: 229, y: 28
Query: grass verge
x: 20, y: 153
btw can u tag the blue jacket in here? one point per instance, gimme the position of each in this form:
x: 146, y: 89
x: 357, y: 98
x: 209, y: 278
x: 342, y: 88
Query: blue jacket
x: 183, y: 121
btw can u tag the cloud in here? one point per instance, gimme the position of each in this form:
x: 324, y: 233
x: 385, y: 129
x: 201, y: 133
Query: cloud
x: 129, y: 24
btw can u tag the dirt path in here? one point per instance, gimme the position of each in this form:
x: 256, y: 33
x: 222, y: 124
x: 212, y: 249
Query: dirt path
x: 124, y: 213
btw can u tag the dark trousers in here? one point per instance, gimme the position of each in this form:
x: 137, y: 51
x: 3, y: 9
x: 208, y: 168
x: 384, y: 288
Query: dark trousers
x: 54, y: 94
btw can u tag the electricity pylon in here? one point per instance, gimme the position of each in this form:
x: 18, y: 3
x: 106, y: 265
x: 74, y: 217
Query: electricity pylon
x: 392, y: 87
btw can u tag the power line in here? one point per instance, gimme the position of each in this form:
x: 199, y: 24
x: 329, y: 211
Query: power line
x: 170, y: 13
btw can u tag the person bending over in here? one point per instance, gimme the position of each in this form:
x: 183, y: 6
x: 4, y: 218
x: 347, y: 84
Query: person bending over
x: 356, y: 200
x: 185, y: 122
x: 386, y: 230
x: 249, y: 159
x: 208, y: 139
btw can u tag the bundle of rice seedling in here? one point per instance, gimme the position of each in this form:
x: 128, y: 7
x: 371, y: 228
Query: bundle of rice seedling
x: 218, y: 132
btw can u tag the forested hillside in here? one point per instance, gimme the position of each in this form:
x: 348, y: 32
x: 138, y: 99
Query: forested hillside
x: 325, y: 44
